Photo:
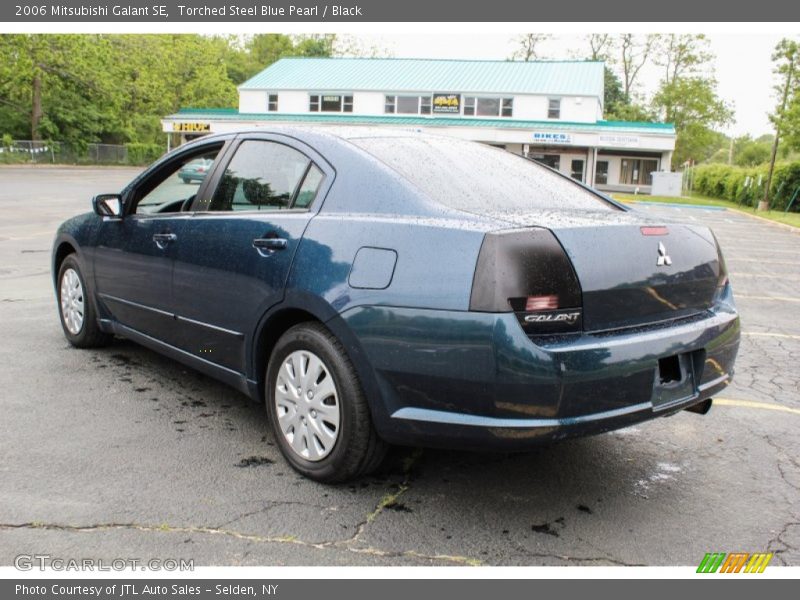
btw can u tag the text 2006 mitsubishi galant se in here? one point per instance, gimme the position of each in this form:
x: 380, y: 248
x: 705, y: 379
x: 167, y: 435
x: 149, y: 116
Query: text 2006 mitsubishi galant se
x: 387, y: 287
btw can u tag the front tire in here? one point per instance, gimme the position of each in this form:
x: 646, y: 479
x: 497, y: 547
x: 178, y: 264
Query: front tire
x: 76, y: 309
x: 317, y: 409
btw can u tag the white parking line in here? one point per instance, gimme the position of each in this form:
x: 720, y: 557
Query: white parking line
x: 776, y: 298
x: 766, y: 334
x: 787, y: 277
x: 757, y: 250
x: 764, y: 261
x: 751, y: 404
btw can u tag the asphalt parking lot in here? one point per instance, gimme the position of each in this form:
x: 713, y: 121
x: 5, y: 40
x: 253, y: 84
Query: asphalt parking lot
x: 120, y: 453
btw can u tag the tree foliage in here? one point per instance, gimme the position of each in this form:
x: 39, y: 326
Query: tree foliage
x: 116, y: 88
x: 692, y: 104
x: 687, y: 96
x: 787, y: 114
x: 528, y: 46
x: 682, y: 55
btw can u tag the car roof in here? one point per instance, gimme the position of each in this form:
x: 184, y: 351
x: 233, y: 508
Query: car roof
x: 337, y: 132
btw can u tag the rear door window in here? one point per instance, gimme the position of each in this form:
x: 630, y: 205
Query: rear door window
x: 264, y: 175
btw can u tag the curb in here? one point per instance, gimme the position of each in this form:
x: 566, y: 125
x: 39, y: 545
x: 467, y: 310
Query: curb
x: 790, y: 228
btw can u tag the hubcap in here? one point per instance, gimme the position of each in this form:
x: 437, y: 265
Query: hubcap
x: 72, y: 301
x: 307, y: 405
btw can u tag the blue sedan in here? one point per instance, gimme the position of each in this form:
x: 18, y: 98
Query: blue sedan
x: 384, y: 287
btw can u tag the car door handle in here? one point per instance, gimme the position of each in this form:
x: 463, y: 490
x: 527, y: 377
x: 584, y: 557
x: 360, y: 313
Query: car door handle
x: 162, y: 240
x: 267, y: 246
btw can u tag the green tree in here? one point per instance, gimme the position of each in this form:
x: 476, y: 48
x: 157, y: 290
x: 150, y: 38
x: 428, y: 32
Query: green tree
x: 58, y: 82
x: 528, y: 46
x: 601, y: 47
x: 162, y: 73
x: 748, y: 152
x: 633, y: 54
x: 682, y: 55
x: 692, y: 104
x: 787, y: 60
x: 688, y: 98
x: 619, y: 107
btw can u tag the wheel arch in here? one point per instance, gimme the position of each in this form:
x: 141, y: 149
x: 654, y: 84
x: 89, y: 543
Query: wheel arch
x: 61, y: 249
x: 300, y: 307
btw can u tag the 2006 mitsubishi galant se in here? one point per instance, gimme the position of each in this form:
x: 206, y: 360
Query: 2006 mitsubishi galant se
x: 378, y: 287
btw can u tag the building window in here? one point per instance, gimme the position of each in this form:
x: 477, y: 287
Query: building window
x: 551, y: 160
x: 408, y: 105
x: 601, y: 173
x: 554, y: 108
x: 634, y: 171
x: 425, y: 105
x: 488, y: 107
x: 576, y: 169
x: 272, y: 102
x: 330, y: 103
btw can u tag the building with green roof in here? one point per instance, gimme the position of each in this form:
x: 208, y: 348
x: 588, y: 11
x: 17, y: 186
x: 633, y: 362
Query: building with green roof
x: 551, y: 111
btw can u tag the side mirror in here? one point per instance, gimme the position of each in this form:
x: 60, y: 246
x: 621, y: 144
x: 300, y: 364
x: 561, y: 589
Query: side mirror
x: 108, y: 205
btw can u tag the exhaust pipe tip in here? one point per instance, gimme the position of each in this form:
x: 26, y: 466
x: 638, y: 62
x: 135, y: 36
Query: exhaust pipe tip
x: 701, y: 408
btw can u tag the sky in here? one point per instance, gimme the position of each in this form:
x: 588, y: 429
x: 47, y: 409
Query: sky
x: 742, y: 64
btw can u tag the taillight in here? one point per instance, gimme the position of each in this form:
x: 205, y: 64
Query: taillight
x: 723, y: 287
x: 526, y: 271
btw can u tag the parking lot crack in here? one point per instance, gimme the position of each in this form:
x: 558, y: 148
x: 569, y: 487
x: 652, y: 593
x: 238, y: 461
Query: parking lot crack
x: 248, y: 537
x: 269, y: 506
x: 778, y: 545
x: 164, y: 528
x: 389, y: 500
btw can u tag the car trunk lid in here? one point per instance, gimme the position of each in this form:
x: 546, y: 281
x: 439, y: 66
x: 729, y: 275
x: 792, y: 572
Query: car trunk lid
x: 639, y: 274
x: 633, y: 270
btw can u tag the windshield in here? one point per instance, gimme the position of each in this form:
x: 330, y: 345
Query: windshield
x: 478, y: 178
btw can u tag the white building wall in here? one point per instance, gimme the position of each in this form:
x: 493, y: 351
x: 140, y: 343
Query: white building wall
x: 252, y: 101
x: 579, y: 109
x: 526, y: 107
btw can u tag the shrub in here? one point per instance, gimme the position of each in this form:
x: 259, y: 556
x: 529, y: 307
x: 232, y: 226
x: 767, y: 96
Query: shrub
x: 143, y: 154
x: 728, y: 183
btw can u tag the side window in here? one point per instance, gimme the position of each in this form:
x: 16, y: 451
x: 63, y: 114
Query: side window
x: 173, y: 189
x: 309, y: 188
x: 261, y: 176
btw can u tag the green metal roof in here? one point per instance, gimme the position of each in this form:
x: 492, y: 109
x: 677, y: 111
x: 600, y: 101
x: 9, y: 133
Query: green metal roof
x: 232, y: 114
x: 578, y: 78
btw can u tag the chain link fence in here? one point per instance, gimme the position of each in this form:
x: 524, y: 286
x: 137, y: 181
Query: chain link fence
x: 45, y: 152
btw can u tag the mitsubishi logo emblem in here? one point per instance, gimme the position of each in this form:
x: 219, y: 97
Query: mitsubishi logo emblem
x: 663, y: 258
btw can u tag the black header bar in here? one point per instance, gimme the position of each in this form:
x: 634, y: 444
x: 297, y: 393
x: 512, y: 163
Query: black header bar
x: 356, y: 11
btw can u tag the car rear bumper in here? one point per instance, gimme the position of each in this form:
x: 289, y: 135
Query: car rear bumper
x: 477, y: 381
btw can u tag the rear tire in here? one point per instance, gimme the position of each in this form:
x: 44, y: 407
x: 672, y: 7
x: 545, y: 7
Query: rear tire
x: 317, y: 408
x: 76, y: 309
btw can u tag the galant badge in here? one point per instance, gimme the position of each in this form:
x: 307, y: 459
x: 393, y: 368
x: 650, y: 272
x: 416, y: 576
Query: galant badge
x: 663, y: 258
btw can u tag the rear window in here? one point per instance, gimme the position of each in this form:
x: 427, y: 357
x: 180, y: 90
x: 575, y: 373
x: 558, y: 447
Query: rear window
x: 479, y: 179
